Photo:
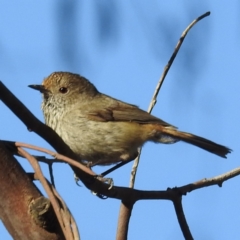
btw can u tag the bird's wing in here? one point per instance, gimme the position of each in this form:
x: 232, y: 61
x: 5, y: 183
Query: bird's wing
x: 115, y: 110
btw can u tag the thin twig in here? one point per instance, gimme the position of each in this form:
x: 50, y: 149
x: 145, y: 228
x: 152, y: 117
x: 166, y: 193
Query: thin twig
x: 57, y: 156
x: 206, y: 182
x: 159, y: 85
x: 66, y: 211
x: 52, y: 198
x: 169, y: 64
x: 152, y: 104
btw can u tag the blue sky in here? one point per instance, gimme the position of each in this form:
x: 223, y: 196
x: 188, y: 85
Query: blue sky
x: 122, y: 47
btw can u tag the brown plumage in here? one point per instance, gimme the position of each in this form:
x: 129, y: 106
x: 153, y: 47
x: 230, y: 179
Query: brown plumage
x: 104, y: 130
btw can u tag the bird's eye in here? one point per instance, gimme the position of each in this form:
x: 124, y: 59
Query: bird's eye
x: 63, y: 90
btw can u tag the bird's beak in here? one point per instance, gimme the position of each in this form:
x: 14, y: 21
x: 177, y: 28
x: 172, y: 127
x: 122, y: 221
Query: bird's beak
x: 40, y: 88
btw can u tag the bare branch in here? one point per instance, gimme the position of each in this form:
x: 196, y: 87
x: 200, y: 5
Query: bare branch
x: 124, y: 215
x: 55, y: 204
x: 56, y: 155
x: 206, y: 182
x: 181, y: 219
x: 169, y: 64
x: 17, y: 193
x: 66, y: 212
x: 152, y: 104
x: 159, y: 85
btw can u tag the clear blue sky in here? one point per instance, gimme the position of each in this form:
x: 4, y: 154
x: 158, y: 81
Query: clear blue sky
x: 122, y: 47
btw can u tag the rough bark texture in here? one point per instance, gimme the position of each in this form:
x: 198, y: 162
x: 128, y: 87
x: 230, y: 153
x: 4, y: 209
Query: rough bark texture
x: 23, y: 210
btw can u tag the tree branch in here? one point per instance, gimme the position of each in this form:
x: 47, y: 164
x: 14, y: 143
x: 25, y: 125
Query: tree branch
x: 47, y: 187
x: 17, y: 197
x: 151, y: 106
x: 181, y: 219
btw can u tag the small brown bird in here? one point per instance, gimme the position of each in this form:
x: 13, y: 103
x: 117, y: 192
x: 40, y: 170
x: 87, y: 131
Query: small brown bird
x: 103, y: 130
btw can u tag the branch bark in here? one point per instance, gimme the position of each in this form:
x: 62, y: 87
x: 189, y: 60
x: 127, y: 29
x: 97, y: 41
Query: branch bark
x: 20, y: 201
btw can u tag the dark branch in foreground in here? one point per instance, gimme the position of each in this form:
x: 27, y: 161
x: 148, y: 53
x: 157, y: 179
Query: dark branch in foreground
x: 181, y: 219
x: 129, y: 195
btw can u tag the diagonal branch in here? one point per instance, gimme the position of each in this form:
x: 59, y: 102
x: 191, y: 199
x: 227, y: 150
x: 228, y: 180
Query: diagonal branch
x: 65, y: 227
x: 159, y: 85
x: 33, y: 124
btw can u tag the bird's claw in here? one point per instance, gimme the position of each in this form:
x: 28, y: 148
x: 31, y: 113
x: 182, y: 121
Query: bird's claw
x: 108, y: 181
x: 104, y: 180
x: 76, y: 178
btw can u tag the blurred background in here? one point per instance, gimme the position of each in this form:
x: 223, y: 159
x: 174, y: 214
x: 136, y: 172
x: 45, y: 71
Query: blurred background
x: 122, y: 47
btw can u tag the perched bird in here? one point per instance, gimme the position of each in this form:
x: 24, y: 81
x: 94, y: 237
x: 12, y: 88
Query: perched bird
x: 101, y: 129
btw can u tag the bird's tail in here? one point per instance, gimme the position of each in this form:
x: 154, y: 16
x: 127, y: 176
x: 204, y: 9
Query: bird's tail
x: 203, y: 143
